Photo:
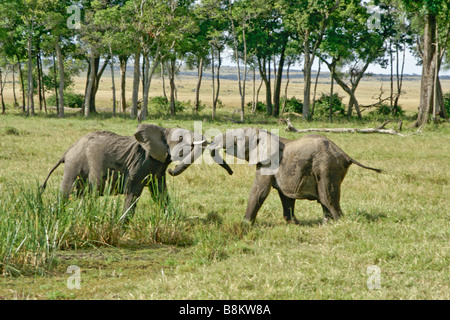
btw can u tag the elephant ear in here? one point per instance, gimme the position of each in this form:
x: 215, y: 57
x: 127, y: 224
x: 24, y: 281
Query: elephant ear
x: 263, y: 147
x: 152, y: 138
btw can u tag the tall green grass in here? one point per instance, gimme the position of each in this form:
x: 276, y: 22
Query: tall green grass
x: 35, y: 226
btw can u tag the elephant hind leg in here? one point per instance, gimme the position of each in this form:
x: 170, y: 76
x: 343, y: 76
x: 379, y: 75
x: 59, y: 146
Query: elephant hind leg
x: 288, y: 208
x: 329, y: 197
x: 258, y: 193
x: 68, y: 182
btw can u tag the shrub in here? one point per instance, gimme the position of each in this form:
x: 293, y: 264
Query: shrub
x: 322, y: 106
x: 71, y: 100
x: 162, y: 105
x: 385, y: 109
x: 260, y: 106
x: 292, y: 105
x: 447, y: 102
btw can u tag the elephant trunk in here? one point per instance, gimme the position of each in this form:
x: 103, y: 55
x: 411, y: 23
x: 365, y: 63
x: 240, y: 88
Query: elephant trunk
x: 187, y: 161
x: 218, y: 159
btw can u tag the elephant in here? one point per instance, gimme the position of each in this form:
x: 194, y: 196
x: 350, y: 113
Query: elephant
x: 311, y: 167
x: 128, y: 164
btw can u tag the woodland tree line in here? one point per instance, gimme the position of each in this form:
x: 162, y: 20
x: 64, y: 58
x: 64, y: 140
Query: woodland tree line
x: 266, y: 37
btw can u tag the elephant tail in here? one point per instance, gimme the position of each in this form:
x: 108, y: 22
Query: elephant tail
x: 61, y: 160
x: 363, y: 166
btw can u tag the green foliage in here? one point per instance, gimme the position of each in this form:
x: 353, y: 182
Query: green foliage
x: 260, y: 106
x: 71, y: 100
x: 161, y: 104
x: 322, y: 105
x: 292, y: 105
x: 447, y: 102
x: 385, y: 109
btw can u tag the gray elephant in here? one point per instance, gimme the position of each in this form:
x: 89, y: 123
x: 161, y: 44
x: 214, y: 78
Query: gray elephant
x: 128, y: 164
x: 312, y: 168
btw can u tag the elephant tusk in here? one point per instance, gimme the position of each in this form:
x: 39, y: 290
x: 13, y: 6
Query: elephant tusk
x: 199, y: 142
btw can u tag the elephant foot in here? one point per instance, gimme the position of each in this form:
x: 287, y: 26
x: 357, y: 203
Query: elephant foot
x: 293, y: 221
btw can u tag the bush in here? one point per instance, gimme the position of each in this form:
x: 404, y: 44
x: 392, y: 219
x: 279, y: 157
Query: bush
x: 385, y: 109
x: 260, y: 106
x: 71, y: 100
x: 292, y: 105
x: 162, y: 105
x: 322, y: 106
x: 447, y: 102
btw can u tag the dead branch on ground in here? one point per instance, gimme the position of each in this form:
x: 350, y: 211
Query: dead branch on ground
x: 379, y: 129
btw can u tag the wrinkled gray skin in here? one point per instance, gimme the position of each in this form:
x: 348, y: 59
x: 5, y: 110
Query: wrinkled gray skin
x: 128, y: 164
x: 312, y: 168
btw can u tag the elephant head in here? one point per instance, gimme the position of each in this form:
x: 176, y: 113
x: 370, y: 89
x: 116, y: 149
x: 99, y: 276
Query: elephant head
x: 154, y: 141
x: 175, y: 144
x: 254, y: 145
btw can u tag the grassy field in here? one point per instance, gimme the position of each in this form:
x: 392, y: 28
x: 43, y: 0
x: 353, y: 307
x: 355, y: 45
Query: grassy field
x: 398, y: 221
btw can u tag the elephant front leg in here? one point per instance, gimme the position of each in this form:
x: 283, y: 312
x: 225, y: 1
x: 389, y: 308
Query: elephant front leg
x: 158, y: 190
x: 258, y: 193
x: 288, y: 208
x: 131, y: 200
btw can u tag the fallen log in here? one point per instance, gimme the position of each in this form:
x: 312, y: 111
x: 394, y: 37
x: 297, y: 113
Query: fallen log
x: 379, y: 129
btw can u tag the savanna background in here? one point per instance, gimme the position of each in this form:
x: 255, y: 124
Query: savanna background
x: 199, y: 248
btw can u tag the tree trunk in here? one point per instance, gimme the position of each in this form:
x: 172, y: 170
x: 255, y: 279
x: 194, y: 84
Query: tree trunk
x: 90, y: 86
x: 147, y: 81
x: 399, y: 78
x: 30, y: 106
x: 333, y: 67
x: 38, y: 67
x: 14, y: 85
x: 277, y: 89
x: 286, y: 87
x: 428, y: 70
x: 308, y: 60
x: 163, y: 80
x: 55, y: 82
x: 134, y: 107
x: 215, y: 79
x: 123, y: 78
x: 1, y: 93
x: 171, y: 73
x: 113, y: 83
x: 199, y: 83
x: 61, y: 79
x: 315, y: 90
x: 265, y: 77
x: 22, y: 86
x: 98, y: 72
x: 254, y: 91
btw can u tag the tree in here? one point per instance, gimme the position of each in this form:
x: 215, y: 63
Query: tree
x: 431, y: 22
x: 267, y: 41
x: 307, y: 21
x: 54, y: 19
x: 214, y: 14
x: 350, y: 41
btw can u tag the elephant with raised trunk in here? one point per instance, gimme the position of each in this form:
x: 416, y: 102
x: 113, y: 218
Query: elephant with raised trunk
x: 128, y: 164
x: 312, y: 168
